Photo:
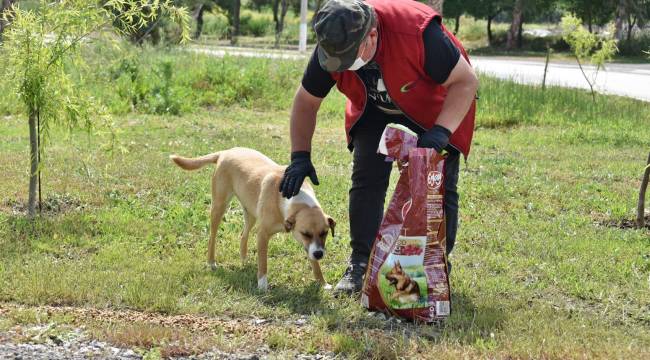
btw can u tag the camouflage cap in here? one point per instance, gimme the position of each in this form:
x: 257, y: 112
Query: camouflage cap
x: 341, y: 26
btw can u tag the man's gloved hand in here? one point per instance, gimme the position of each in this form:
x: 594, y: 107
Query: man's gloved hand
x: 296, y: 172
x: 435, y: 138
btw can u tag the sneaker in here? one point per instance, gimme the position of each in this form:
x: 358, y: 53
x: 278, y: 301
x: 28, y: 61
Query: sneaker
x: 352, y: 280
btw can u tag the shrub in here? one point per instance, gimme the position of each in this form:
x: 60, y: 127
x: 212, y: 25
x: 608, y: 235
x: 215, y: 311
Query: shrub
x: 635, y: 46
x: 255, y: 24
x: 215, y: 24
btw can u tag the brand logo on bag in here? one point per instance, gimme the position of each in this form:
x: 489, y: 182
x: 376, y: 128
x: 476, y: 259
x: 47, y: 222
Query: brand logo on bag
x: 434, y: 179
x: 385, y: 243
x: 406, y: 208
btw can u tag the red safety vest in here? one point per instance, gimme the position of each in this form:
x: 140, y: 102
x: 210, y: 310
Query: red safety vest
x: 400, y: 57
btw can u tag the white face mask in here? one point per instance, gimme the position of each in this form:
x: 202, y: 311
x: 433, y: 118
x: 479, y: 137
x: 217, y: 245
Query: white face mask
x: 358, y: 63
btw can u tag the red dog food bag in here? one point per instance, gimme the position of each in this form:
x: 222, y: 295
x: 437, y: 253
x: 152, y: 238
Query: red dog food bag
x: 407, y: 273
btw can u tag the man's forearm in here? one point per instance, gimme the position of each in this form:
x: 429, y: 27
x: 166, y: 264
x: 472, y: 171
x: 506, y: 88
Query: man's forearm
x: 303, y: 122
x: 458, y: 101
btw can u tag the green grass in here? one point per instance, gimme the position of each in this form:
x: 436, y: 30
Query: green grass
x: 534, y: 276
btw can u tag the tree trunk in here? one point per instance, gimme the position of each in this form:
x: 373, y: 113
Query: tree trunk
x: 436, y: 5
x: 631, y: 21
x: 640, y: 209
x: 520, y: 33
x: 34, y: 159
x: 198, y: 16
x: 620, y: 16
x: 457, y: 25
x: 489, y: 29
x: 517, y: 16
x: 280, y: 8
x: 4, y: 5
x: 236, y: 6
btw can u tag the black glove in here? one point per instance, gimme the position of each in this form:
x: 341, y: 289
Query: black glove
x: 296, y: 172
x: 435, y: 138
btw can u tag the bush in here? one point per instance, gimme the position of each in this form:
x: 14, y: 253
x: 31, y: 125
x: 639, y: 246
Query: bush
x: 256, y: 24
x: 148, y: 80
x: 635, y: 46
x: 146, y: 87
x: 216, y: 24
x: 534, y: 43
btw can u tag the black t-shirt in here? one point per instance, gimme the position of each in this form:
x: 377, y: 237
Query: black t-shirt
x: 440, y: 57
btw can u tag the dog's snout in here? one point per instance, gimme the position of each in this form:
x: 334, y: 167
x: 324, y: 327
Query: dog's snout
x: 315, y: 251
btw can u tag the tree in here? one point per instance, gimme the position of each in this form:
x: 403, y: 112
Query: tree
x: 454, y: 9
x: 198, y: 8
x: 488, y: 10
x: 585, y: 44
x: 640, y: 209
x: 280, y: 8
x: 520, y: 10
x: 631, y: 12
x: 236, y: 8
x: 38, y: 43
x: 437, y: 5
x: 4, y: 5
x: 516, y: 25
x: 638, y: 14
x: 591, y: 12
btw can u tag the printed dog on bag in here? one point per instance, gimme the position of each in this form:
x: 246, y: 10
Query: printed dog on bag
x: 406, y: 290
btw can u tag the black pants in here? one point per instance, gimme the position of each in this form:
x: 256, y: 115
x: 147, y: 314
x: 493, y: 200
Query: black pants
x: 370, y: 178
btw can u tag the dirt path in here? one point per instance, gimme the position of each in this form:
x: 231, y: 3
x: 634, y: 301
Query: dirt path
x: 39, y: 332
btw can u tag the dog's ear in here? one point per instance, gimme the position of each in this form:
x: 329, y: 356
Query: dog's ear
x: 398, y: 265
x: 332, y: 224
x: 289, y: 223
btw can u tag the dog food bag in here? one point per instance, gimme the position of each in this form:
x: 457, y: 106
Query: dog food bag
x: 407, y: 273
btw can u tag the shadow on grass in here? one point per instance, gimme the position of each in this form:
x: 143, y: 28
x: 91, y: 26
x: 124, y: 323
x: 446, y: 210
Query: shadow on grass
x: 299, y: 299
x: 468, y: 324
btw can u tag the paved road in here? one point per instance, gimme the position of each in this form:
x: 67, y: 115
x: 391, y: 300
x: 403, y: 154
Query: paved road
x: 631, y: 80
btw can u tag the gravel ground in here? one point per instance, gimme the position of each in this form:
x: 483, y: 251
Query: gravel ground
x: 52, y: 341
x: 76, y: 345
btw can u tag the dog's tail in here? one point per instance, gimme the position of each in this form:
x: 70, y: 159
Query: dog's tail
x: 195, y: 163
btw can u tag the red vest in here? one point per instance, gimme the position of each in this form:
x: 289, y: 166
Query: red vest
x: 400, y: 57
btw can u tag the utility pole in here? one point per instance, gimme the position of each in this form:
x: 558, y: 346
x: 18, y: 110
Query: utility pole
x: 302, y: 43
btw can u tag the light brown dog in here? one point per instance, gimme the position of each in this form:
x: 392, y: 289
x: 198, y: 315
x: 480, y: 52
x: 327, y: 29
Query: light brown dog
x: 406, y: 289
x: 255, y: 180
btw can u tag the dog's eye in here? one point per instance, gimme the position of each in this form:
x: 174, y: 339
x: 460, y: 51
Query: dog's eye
x: 307, y: 235
x: 323, y: 234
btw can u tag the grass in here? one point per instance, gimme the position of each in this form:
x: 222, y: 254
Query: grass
x: 535, y: 276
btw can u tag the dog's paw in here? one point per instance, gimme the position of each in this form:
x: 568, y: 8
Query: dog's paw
x: 327, y: 286
x: 263, y: 283
x: 212, y: 265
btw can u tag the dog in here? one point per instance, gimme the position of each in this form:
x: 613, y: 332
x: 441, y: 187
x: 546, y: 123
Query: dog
x: 255, y: 180
x: 406, y: 289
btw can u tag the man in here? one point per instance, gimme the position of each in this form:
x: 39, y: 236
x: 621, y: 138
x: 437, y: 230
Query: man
x: 395, y: 63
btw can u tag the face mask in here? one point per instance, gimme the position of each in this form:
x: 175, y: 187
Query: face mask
x: 358, y: 63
